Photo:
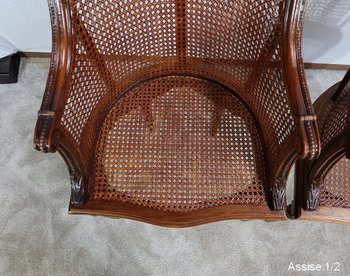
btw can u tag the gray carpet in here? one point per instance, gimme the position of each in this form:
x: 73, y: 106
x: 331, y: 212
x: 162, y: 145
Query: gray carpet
x: 38, y: 237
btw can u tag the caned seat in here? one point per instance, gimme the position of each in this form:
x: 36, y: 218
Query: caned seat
x: 177, y: 112
x: 324, y: 183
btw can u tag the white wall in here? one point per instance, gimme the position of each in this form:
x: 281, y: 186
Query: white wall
x: 327, y: 32
x: 26, y: 24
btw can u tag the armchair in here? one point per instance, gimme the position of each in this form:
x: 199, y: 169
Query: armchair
x: 177, y: 112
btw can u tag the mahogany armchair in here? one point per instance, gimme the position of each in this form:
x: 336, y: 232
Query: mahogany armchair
x: 323, y: 184
x: 177, y: 112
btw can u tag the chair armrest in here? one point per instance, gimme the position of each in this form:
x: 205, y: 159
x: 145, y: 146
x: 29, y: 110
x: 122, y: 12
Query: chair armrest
x: 307, y: 133
x: 48, y: 129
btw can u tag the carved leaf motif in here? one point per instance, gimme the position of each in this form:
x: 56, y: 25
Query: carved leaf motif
x: 78, y: 191
x: 279, y: 193
x: 313, y: 194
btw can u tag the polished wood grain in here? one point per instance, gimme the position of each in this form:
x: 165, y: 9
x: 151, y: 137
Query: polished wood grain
x: 328, y: 214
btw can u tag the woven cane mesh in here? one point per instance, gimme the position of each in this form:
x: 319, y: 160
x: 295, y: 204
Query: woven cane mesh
x: 236, y: 43
x: 335, y: 121
x: 335, y: 190
x: 274, y: 110
x: 179, y: 144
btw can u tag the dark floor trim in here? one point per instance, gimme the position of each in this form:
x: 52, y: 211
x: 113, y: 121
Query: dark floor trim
x: 35, y: 54
x: 326, y: 66
x: 307, y: 65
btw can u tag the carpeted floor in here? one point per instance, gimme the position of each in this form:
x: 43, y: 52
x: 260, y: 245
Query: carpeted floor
x: 38, y: 237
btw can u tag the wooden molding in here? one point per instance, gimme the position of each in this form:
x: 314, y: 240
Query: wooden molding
x: 174, y: 219
x: 326, y: 66
x: 307, y: 65
x: 328, y: 214
x: 35, y: 54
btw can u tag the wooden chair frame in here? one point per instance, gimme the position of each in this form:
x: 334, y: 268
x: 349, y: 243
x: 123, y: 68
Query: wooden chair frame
x: 49, y: 136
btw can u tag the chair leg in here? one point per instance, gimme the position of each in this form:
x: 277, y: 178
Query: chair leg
x: 299, y: 184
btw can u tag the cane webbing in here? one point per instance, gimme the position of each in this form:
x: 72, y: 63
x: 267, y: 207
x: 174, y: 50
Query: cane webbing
x: 179, y: 144
x: 335, y: 190
x: 165, y: 51
x: 121, y: 42
x: 335, y: 121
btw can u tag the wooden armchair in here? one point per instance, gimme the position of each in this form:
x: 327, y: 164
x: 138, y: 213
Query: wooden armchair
x: 323, y: 184
x: 177, y: 112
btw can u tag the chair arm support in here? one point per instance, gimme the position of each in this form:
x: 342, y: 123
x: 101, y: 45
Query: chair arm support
x: 47, y: 132
x: 46, y: 137
x: 308, y: 143
x: 306, y: 128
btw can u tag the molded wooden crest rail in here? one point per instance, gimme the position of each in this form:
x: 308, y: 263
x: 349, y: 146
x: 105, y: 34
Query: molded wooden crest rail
x: 177, y: 112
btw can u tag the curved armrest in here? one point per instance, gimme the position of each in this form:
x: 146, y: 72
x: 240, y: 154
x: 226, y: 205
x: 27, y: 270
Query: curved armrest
x: 307, y: 133
x: 48, y: 130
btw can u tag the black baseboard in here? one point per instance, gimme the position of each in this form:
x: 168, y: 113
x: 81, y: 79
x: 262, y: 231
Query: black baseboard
x: 9, y: 68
